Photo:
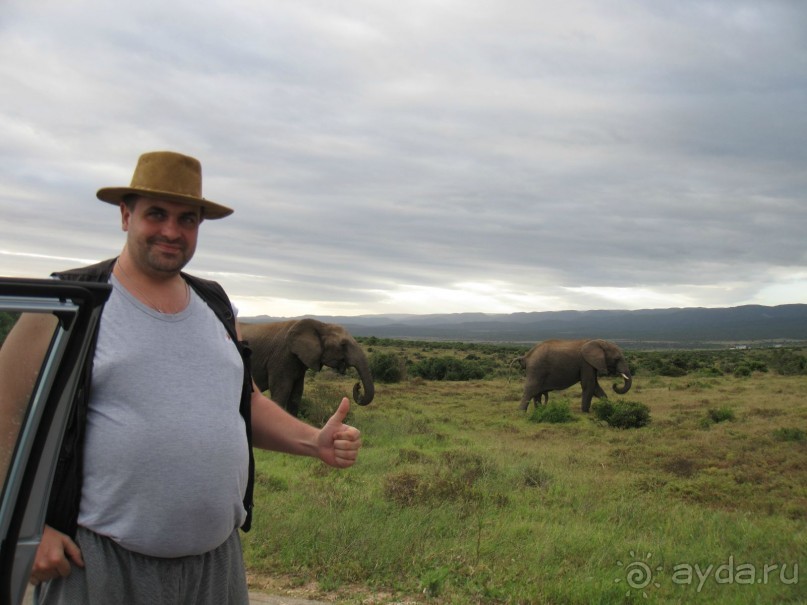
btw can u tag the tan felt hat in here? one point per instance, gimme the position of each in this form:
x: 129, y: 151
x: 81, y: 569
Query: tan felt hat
x: 168, y: 176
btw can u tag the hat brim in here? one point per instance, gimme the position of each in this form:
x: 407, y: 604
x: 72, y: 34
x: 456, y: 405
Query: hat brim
x: 115, y: 195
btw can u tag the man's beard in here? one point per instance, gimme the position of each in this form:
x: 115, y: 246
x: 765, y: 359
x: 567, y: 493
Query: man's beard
x: 159, y: 262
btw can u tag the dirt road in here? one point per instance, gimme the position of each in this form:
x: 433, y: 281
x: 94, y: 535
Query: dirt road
x: 257, y: 598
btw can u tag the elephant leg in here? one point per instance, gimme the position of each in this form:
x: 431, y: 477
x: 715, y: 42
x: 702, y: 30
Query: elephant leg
x: 280, y: 393
x: 532, y: 392
x: 296, y: 396
x: 261, y: 377
x: 589, y: 394
x: 585, y: 403
x: 598, y: 392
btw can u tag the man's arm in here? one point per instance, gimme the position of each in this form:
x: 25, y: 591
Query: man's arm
x: 273, y: 428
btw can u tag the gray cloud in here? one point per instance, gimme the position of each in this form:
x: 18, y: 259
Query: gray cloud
x: 479, y: 156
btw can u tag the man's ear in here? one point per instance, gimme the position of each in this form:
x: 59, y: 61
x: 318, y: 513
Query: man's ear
x: 125, y: 214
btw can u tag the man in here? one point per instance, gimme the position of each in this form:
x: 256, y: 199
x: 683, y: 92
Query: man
x: 157, y: 475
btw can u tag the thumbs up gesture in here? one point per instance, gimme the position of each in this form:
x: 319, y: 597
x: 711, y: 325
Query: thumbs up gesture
x: 338, y: 443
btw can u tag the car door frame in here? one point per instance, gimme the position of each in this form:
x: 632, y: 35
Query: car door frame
x: 23, y: 501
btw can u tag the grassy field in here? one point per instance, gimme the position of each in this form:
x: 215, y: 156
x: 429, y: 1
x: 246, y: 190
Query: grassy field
x: 460, y: 498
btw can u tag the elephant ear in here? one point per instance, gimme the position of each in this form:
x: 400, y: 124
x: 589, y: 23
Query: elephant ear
x: 304, y: 342
x: 594, y: 354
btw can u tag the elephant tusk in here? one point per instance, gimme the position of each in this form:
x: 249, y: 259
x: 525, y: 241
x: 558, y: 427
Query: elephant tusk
x: 625, y: 376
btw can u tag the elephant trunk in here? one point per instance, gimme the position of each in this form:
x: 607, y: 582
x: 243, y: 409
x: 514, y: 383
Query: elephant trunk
x: 366, y: 382
x: 621, y: 390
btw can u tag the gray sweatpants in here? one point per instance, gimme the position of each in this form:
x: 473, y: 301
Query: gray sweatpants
x: 113, y: 574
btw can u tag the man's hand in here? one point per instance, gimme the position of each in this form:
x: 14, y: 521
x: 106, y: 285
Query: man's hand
x: 53, y: 557
x: 337, y: 443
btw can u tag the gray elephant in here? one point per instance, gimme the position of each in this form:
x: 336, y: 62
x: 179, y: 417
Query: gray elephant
x: 555, y: 365
x: 522, y: 362
x: 283, y: 351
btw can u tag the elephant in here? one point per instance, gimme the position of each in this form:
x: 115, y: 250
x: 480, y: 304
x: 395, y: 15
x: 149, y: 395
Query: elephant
x: 283, y: 351
x: 522, y: 362
x: 555, y: 365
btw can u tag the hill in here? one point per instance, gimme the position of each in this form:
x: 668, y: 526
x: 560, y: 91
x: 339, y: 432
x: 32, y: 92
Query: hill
x: 677, y: 327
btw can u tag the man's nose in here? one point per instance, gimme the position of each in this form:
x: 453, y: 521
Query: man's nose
x: 171, y: 229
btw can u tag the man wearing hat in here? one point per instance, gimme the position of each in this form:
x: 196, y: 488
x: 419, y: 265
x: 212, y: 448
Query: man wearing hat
x: 155, y: 477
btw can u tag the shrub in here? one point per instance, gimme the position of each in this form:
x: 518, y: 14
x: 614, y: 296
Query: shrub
x: 622, y: 414
x: 790, y: 434
x: 554, y: 412
x: 387, y: 367
x: 603, y: 409
x: 710, y: 372
x: 448, y: 368
x: 788, y: 363
x: 671, y: 370
x: 742, y: 371
x: 720, y: 414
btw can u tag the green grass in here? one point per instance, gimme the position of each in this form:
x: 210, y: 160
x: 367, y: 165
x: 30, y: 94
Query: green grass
x: 459, y: 497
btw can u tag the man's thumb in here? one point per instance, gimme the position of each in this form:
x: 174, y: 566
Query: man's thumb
x: 341, y: 412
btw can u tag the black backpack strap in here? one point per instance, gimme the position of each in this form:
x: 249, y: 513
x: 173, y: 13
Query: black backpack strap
x: 215, y: 297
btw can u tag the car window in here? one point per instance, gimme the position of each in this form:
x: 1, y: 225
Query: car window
x: 45, y: 330
x: 20, y: 370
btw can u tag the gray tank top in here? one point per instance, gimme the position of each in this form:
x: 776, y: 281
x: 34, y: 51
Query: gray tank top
x: 166, y: 460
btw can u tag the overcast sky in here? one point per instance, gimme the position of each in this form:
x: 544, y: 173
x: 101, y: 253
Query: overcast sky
x: 426, y: 156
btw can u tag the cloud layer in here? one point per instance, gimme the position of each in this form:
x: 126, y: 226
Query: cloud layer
x: 427, y: 156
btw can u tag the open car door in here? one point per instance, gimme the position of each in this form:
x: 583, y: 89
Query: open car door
x: 45, y: 331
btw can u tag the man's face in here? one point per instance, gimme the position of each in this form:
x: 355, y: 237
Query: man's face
x: 161, y: 236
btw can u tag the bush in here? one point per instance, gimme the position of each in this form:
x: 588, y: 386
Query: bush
x: 387, y: 367
x: 448, y: 368
x: 790, y: 434
x: 720, y: 414
x: 555, y: 412
x: 748, y: 367
x: 788, y: 363
x: 622, y: 414
x: 671, y: 370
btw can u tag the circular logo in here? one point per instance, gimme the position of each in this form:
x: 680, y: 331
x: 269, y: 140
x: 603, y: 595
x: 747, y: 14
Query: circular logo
x: 638, y: 574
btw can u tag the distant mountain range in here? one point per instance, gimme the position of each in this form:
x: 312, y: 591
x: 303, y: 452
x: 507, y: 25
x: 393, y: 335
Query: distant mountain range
x: 682, y: 327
